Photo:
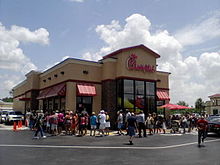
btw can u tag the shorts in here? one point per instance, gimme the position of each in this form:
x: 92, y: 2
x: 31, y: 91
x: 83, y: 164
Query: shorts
x: 48, y: 124
x: 102, y: 126
x: 53, y: 126
x: 120, y: 125
x: 93, y: 126
x: 131, y: 131
x: 107, y: 124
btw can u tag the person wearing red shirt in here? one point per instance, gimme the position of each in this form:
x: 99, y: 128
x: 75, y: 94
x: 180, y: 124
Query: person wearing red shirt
x: 202, y: 126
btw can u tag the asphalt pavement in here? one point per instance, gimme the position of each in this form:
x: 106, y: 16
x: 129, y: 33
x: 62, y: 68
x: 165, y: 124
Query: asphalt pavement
x: 18, y: 148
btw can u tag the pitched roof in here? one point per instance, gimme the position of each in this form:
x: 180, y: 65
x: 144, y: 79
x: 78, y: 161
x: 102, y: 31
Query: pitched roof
x: 133, y: 47
x: 215, y: 95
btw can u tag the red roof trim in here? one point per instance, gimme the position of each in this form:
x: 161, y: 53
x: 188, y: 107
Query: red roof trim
x: 133, y: 47
x: 215, y: 95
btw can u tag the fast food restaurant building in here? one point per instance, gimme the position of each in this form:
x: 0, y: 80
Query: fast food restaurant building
x: 125, y: 79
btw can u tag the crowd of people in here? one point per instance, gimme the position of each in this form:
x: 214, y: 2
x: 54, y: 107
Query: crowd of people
x: 128, y: 123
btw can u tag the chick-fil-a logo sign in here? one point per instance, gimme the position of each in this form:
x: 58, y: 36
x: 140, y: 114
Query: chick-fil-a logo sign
x: 132, y: 65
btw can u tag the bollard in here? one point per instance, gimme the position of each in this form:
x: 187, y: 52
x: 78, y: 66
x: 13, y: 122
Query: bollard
x: 14, y: 126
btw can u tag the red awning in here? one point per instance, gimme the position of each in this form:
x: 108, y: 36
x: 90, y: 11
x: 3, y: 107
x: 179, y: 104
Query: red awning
x: 58, y: 90
x: 43, y: 93
x: 24, y: 99
x: 86, y: 90
x: 162, y: 95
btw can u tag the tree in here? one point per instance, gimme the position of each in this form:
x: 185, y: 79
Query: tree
x: 183, y: 103
x: 200, y: 105
x: 7, y: 99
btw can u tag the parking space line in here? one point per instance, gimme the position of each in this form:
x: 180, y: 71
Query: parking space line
x: 104, y: 147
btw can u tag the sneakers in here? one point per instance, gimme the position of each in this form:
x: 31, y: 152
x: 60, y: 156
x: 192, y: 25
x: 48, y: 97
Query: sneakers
x: 131, y: 143
x: 35, y: 137
x: 44, y: 137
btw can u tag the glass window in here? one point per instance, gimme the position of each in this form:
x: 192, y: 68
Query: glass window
x: 128, y: 101
x: 150, y: 88
x: 150, y: 103
x: 128, y: 86
x: 139, y: 87
x: 87, y: 100
x: 139, y: 102
x: 63, y: 103
x: 56, y: 104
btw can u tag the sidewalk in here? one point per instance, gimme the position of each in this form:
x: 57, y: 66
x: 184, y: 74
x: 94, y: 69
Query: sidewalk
x: 10, y: 127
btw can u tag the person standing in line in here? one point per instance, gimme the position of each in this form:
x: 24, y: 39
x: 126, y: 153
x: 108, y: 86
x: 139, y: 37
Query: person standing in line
x: 164, y: 127
x: 150, y: 125
x: 128, y: 114
x: 38, y: 125
x: 120, y: 122
x: 155, y: 117
x: 73, y: 124
x: 87, y: 122
x: 82, y: 124
x: 140, y: 118
x: 132, y: 127
x: 93, y: 124
x: 184, y: 124
x: 107, y: 124
x: 67, y: 123
x: 102, y: 121
x: 60, y: 117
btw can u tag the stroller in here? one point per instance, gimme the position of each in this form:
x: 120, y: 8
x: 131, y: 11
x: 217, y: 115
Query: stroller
x: 174, y: 126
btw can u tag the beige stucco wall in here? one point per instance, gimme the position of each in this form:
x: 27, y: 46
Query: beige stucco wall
x: 71, y: 96
x: 162, y: 80
x: 143, y: 58
x: 73, y: 70
x: 109, y: 69
x: 96, y: 107
x: 18, y: 105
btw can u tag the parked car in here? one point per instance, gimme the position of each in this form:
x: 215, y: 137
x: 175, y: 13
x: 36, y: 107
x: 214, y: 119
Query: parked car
x: 12, y: 116
x: 3, y: 115
x: 214, y: 124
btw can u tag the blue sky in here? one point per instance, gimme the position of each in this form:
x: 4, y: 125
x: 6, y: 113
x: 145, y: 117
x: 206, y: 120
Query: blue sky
x: 82, y: 29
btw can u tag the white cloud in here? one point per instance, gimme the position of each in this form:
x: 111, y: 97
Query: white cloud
x: 76, y: 0
x: 12, y: 57
x: 205, y: 30
x: 191, y: 77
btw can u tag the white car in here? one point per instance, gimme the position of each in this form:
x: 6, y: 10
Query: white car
x: 12, y: 116
x: 3, y: 115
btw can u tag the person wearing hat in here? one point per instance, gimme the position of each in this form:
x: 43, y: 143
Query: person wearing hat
x: 93, y: 124
x: 102, y: 120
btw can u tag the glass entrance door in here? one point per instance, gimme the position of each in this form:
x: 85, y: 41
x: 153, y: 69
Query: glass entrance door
x: 84, y: 103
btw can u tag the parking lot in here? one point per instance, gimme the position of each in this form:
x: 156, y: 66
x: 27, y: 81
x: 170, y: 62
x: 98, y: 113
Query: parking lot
x: 19, y: 148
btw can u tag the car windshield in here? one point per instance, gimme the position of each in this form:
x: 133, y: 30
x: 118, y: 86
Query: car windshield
x: 4, y: 112
x: 15, y: 113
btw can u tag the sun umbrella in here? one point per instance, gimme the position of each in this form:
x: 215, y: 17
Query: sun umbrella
x: 174, y: 106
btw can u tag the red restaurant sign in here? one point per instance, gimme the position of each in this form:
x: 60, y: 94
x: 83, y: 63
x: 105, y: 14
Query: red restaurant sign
x: 132, y: 65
